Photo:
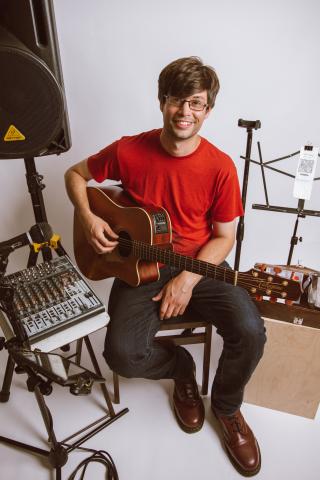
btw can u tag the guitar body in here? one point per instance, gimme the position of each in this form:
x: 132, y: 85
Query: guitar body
x: 149, y: 225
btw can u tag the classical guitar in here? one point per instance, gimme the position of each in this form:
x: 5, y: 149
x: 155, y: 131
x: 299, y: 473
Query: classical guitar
x: 145, y: 241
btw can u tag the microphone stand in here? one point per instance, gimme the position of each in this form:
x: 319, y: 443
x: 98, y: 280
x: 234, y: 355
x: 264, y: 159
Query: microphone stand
x: 57, y: 455
x: 249, y: 125
x: 59, y: 451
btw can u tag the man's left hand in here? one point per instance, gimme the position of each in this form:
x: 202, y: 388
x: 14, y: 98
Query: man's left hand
x: 176, y: 294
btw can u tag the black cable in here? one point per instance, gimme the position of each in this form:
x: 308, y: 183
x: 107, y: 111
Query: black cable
x: 98, y: 456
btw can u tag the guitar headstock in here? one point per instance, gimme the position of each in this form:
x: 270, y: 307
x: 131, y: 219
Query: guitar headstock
x: 259, y: 283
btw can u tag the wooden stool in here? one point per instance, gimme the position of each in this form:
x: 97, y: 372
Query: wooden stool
x: 187, y: 322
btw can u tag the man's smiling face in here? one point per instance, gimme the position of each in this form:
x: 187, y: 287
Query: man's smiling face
x: 180, y: 122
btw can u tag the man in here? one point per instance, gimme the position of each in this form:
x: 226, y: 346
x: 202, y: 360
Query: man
x: 175, y: 168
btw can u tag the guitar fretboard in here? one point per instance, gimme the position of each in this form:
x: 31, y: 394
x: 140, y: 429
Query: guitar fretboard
x: 183, y: 262
x: 255, y: 282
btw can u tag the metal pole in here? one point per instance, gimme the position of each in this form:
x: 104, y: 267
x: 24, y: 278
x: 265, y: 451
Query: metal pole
x: 249, y: 125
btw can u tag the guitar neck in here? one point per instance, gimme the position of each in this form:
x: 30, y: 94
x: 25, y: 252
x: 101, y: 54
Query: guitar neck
x: 182, y: 262
x: 254, y: 281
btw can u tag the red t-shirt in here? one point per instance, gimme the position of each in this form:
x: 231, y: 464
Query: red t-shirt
x: 195, y: 189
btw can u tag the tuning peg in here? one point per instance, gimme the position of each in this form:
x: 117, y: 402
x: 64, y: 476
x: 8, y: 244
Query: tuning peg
x: 261, y: 266
x: 277, y: 270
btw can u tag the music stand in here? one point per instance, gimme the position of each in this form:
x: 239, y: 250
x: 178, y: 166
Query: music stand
x: 297, y: 313
x: 300, y: 211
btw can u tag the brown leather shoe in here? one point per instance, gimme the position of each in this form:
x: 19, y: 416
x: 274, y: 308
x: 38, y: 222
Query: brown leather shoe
x: 241, y: 444
x: 188, y: 406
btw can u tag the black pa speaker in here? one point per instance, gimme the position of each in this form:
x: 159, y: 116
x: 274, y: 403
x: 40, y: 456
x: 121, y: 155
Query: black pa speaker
x: 33, y: 114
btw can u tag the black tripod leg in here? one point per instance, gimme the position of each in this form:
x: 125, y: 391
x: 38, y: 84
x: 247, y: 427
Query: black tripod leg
x: 58, y: 455
x: 46, y: 254
x: 32, y: 260
x: 45, y: 415
x: 5, y: 391
x: 60, y: 250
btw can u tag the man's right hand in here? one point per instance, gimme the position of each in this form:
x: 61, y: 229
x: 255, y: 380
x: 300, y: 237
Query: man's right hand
x: 99, y: 233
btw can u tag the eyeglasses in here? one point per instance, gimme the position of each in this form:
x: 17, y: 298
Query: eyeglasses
x: 194, y: 104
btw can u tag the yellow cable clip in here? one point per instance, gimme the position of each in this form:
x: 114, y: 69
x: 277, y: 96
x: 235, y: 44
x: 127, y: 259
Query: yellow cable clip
x: 38, y: 246
x: 53, y: 243
x: 54, y: 240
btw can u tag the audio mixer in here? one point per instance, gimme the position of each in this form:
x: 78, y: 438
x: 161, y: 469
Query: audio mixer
x: 51, y: 296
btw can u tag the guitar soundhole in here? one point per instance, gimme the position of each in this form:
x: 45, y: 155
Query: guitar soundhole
x: 125, y: 244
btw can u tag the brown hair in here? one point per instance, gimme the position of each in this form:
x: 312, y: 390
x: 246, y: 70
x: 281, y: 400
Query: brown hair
x: 186, y: 76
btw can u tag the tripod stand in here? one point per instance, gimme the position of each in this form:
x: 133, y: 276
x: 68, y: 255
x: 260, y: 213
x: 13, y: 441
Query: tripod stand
x: 58, y: 453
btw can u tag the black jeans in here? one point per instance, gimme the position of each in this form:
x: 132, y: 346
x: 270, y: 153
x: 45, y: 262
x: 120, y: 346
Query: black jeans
x: 130, y: 349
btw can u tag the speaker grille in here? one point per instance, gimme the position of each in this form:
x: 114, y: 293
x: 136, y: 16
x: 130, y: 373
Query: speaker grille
x: 31, y: 100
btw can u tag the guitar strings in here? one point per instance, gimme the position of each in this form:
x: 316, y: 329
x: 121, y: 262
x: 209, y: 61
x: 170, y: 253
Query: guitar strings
x: 154, y: 250
x: 211, y: 268
x: 243, y: 279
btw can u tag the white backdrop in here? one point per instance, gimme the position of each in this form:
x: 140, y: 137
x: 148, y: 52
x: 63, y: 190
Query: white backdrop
x: 267, y: 57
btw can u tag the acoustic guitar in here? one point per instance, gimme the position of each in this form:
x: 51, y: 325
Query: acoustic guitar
x: 145, y: 240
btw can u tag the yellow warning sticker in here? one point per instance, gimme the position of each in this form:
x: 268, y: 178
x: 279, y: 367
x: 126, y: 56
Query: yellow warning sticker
x: 13, y: 135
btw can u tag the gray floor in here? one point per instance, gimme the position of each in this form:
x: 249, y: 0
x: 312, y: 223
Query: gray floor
x: 146, y: 443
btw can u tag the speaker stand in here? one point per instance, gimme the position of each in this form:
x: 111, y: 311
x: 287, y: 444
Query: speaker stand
x: 35, y: 187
